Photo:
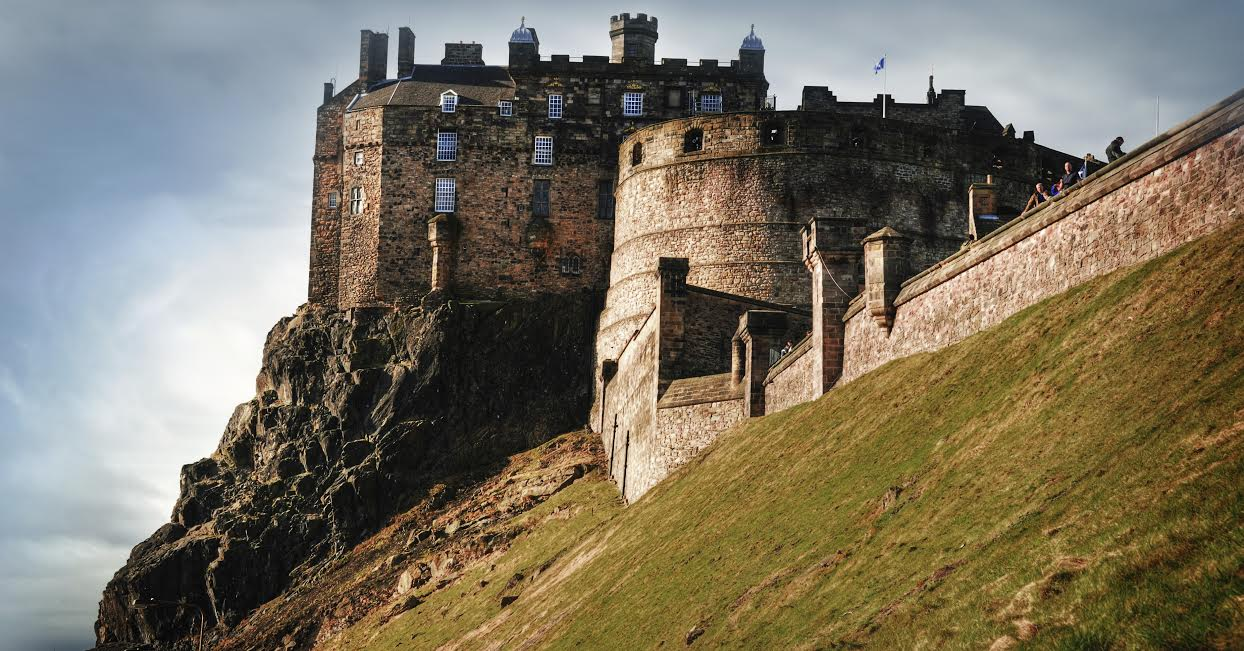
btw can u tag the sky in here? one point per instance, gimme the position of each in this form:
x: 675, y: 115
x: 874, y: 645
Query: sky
x: 155, y: 165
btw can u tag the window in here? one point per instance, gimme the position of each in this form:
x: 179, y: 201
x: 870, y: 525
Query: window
x: 710, y: 103
x: 604, y: 199
x: 570, y: 265
x: 506, y: 108
x: 593, y: 95
x: 673, y: 98
x: 555, y: 107
x: 772, y: 133
x: 544, y: 151
x: 356, y: 201
x: 693, y: 140
x: 358, y: 159
x: 449, y: 102
x: 334, y: 200
x: 637, y: 153
x: 446, y: 195
x: 446, y: 145
x: 540, y: 197
x: 633, y: 104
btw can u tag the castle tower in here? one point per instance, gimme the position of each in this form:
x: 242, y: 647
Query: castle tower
x: 634, y: 39
x: 524, y: 46
x: 752, y: 54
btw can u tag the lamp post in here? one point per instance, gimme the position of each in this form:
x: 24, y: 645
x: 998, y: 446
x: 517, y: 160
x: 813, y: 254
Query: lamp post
x: 150, y: 602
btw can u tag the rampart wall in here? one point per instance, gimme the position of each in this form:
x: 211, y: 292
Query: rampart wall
x: 1180, y: 186
x: 790, y: 381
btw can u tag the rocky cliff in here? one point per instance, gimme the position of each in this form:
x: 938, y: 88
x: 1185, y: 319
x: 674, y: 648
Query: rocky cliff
x: 357, y: 416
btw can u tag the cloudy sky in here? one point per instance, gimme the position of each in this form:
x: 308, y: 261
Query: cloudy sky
x: 155, y: 166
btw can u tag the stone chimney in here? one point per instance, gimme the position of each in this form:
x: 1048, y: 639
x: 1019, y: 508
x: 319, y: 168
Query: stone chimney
x: 463, y: 54
x: 405, y: 52
x: 373, y: 56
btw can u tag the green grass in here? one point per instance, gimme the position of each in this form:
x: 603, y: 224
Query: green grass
x: 1077, y: 471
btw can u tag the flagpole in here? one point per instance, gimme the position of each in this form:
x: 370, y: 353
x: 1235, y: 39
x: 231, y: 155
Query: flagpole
x: 885, y: 82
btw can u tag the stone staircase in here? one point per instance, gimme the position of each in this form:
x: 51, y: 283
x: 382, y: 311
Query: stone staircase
x: 698, y: 390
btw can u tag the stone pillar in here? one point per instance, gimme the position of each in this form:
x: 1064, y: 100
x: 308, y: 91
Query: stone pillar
x: 982, y: 208
x: 832, y: 255
x: 670, y: 310
x: 441, y: 235
x: 760, y: 331
x: 885, y: 269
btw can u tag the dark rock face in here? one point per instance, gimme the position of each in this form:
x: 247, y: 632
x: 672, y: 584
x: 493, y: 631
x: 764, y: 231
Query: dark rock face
x: 356, y: 414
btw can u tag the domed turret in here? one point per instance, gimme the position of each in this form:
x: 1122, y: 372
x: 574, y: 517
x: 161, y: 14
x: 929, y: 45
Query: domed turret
x: 523, y: 34
x: 752, y: 42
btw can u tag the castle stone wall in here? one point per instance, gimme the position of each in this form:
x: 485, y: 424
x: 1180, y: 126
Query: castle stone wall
x: 628, y: 423
x: 791, y: 381
x: 1180, y: 186
x: 360, y: 233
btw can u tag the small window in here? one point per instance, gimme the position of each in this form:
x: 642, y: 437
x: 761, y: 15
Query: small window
x: 540, y: 197
x: 446, y: 195
x: 334, y: 200
x: 773, y: 133
x: 449, y: 102
x: 358, y: 159
x: 555, y: 107
x: 446, y: 145
x: 633, y: 104
x: 673, y: 98
x: 506, y: 108
x: 710, y: 103
x: 637, y: 153
x: 544, y: 151
x: 570, y: 265
x: 604, y: 199
x: 356, y: 201
x: 693, y: 140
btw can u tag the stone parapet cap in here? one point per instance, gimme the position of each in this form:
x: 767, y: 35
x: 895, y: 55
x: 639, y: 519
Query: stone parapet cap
x: 886, y: 233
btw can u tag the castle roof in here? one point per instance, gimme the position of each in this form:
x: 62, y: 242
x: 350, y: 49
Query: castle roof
x: 523, y: 34
x: 752, y: 42
x: 475, y: 85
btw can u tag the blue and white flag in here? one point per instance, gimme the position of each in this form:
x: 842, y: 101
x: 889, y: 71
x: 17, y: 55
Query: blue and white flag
x: 880, y: 66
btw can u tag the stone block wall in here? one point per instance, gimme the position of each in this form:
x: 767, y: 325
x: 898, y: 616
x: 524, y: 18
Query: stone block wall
x: 792, y: 380
x: 360, y: 233
x: 1182, y: 185
x: 627, y: 418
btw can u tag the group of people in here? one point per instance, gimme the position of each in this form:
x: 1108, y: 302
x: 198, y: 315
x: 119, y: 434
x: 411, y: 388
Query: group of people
x: 1071, y: 176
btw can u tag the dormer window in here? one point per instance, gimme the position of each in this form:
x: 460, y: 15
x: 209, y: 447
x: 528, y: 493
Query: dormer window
x: 555, y: 107
x: 449, y: 102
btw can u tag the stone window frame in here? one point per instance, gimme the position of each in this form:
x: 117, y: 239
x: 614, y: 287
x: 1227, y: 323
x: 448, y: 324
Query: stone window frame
x: 359, y: 158
x: 505, y: 108
x: 334, y: 200
x: 358, y: 200
x: 632, y: 103
x: 542, y: 152
x: 711, y: 103
x: 557, y: 105
x: 447, y: 145
x: 449, y: 102
x: 446, y: 195
x: 570, y: 264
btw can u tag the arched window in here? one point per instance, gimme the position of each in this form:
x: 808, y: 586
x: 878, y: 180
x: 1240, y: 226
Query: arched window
x: 637, y: 153
x: 773, y: 133
x: 693, y: 140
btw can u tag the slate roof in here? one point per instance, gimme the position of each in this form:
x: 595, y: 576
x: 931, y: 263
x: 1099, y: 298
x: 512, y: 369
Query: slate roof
x: 475, y: 85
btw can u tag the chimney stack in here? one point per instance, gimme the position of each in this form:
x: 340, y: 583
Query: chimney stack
x: 405, y: 52
x: 373, y: 56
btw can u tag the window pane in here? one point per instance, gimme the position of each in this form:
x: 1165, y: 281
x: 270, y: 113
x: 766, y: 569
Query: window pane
x: 710, y: 103
x: 447, y: 145
x: 446, y: 194
x: 633, y: 104
x: 506, y: 108
x: 604, y: 199
x: 543, y: 151
x: 555, y: 106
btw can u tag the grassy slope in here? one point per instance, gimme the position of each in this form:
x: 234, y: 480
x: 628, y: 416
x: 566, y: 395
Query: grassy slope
x: 1077, y: 471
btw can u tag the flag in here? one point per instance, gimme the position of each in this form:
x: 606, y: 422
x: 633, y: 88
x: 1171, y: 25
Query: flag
x: 880, y: 66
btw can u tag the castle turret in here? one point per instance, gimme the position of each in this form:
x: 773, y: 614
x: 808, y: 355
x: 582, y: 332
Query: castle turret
x: 524, y: 46
x: 634, y: 39
x: 752, y: 54
x: 373, y: 56
x: 405, y: 52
